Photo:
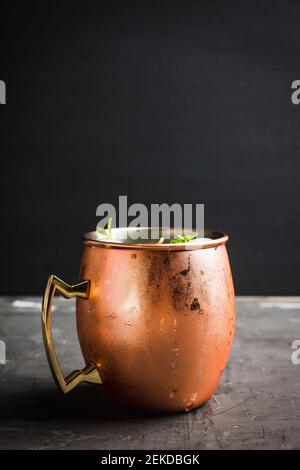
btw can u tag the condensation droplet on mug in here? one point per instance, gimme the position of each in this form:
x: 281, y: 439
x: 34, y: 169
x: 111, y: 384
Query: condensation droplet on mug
x: 128, y: 324
x: 173, y: 393
x: 189, y: 406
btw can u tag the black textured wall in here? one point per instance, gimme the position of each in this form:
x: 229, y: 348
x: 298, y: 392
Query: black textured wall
x: 163, y: 101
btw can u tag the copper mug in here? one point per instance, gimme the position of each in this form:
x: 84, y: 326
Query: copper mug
x: 155, y: 321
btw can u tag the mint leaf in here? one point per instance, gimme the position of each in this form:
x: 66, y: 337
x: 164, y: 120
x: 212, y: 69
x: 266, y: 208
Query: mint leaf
x: 108, y: 228
x: 185, y: 238
x: 190, y: 236
x: 101, y: 230
x: 106, y: 232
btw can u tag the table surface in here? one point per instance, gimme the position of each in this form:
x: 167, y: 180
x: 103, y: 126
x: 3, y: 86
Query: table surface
x: 256, y: 406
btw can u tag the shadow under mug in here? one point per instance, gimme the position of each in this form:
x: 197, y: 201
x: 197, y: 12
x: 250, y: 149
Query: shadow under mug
x: 155, y: 321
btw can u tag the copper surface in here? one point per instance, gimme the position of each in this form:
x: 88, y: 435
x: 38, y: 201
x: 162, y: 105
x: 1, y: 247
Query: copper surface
x: 159, y: 322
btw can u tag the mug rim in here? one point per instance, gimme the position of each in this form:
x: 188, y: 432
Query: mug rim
x: 218, y: 239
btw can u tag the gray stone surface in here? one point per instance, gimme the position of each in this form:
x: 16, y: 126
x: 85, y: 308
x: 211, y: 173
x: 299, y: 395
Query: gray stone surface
x: 256, y: 406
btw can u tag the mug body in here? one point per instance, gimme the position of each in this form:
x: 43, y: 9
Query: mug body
x: 159, y: 322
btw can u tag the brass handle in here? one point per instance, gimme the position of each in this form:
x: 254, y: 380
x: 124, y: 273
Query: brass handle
x: 90, y: 372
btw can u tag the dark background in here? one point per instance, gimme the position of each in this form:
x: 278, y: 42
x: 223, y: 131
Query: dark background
x: 163, y: 101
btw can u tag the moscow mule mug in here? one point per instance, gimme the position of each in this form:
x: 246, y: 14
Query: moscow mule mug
x: 155, y: 322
